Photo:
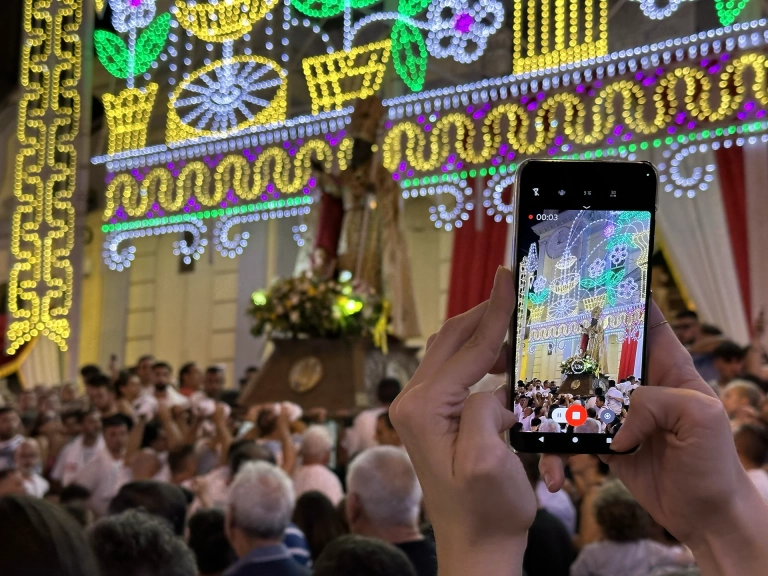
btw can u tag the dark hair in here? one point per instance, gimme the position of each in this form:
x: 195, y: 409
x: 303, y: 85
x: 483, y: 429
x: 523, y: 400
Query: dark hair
x: 317, y: 518
x: 78, y: 510
x: 620, y: 517
x: 214, y: 369
x: 74, y: 493
x: 729, y: 351
x: 77, y: 414
x: 711, y: 330
x: 100, y: 381
x: 591, y: 413
x: 178, y: 456
x: 384, y: 417
x: 247, y: 451
x: 352, y: 555
x: 152, y: 431
x: 135, y: 542
x: 156, y: 498
x: 266, y: 420
x: 7, y: 409
x: 42, y: 539
x: 601, y: 398
x: 185, y: 369
x: 144, y: 358
x: 387, y: 390
x: 611, y: 383
x: 122, y: 382
x: 117, y: 420
x: 599, y: 391
x: 89, y: 371
x: 208, y: 540
x: 162, y: 364
x: 752, y: 443
x: 686, y: 314
x: 536, y: 422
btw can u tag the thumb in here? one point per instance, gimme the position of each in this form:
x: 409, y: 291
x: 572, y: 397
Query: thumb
x: 484, y: 417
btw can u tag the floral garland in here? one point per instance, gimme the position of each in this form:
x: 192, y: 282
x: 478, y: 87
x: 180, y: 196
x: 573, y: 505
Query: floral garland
x: 310, y: 307
x: 580, y: 365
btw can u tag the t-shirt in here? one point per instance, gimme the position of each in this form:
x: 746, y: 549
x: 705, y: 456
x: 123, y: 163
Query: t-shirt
x: 36, y: 486
x: 559, y: 505
x: 103, y: 476
x: 73, y: 457
x: 549, y: 551
x: 7, y: 448
x: 638, y: 558
x: 320, y: 478
x: 362, y: 434
x: 759, y: 478
x: 422, y: 555
x: 614, y: 399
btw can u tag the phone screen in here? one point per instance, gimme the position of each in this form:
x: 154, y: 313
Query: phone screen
x: 583, y: 241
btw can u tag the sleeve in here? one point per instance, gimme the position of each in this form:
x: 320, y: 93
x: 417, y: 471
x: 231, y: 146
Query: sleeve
x: 581, y: 566
x: 58, y: 468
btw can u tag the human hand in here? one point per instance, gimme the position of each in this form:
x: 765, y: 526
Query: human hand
x: 475, y: 488
x: 686, y: 473
x: 218, y: 415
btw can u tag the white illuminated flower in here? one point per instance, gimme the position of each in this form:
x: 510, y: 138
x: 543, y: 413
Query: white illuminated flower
x: 459, y: 29
x: 596, y: 268
x: 130, y: 15
x: 626, y: 288
x: 539, y: 284
x: 618, y: 254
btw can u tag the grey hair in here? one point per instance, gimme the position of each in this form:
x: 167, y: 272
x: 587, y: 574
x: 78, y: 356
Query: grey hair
x: 386, y: 484
x: 260, y: 500
x: 317, y: 442
x: 548, y: 425
x: 590, y: 426
x: 748, y: 389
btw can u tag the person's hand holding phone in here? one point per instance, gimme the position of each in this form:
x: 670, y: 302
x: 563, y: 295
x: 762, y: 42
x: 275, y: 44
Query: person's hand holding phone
x: 475, y: 488
x: 686, y: 473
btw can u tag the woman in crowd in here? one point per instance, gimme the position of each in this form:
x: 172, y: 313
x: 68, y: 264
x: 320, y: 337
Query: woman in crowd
x: 317, y: 518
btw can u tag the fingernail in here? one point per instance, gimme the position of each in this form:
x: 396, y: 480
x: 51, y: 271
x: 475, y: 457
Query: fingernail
x: 496, y: 276
x: 548, y: 479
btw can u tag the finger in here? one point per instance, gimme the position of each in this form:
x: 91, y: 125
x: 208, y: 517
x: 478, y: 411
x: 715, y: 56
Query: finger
x: 482, y: 420
x: 500, y: 367
x: 502, y: 395
x: 430, y: 341
x: 480, y: 351
x: 552, y: 469
x: 669, y: 363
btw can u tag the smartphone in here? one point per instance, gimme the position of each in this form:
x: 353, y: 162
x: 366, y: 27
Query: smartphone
x: 582, y: 243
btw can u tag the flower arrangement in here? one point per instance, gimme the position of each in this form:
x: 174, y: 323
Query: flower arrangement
x: 312, y: 307
x: 580, y: 365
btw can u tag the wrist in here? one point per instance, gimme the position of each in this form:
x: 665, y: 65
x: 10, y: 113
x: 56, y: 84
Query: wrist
x: 491, y: 557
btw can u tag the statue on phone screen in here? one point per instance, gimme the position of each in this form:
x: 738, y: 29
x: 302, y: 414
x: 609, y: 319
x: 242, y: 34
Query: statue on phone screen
x: 593, y: 337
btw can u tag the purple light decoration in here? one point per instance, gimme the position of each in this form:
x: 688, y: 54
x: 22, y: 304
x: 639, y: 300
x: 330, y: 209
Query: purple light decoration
x: 420, y: 119
x: 691, y: 125
x: 334, y: 141
x: 598, y: 84
x: 477, y: 115
x: 463, y: 23
x: 196, y: 206
x: 742, y: 115
x: 275, y: 194
x: 502, y: 150
x: 444, y: 168
x: 671, y: 129
x: 299, y: 142
x: 402, y: 166
x: 760, y: 114
x: 145, y: 170
x: 714, y: 69
x: 510, y: 156
x: 626, y: 136
x: 306, y: 190
x: 559, y: 140
x: 580, y: 88
x: 496, y: 161
x: 258, y: 150
x: 459, y: 165
x: 223, y: 204
x: 648, y: 81
x: 452, y: 158
x: 219, y: 157
x: 182, y: 163
x: 286, y: 145
x: 639, y: 76
x: 246, y: 152
x: 264, y: 197
x: 135, y: 172
x: 149, y: 214
x: 724, y: 57
x: 618, y: 129
x: 342, y: 133
x: 552, y: 151
x: 609, y: 230
x: 680, y: 117
x: 531, y: 106
x: 206, y: 158
x: 312, y: 182
x: 427, y: 127
x: 591, y: 93
x: 191, y: 201
x: 704, y: 63
x: 395, y: 176
x: 186, y: 209
x: 486, y: 107
x: 292, y: 152
x: 113, y: 220
x: 409, y: 173
x: 388, y: 125
x: 175, y: 173
x: 470, y: 109
x: 609, y: 141
x: 749, y: 106
x: 270, y: 188
x: 540, y: 96
x: 659, y: 71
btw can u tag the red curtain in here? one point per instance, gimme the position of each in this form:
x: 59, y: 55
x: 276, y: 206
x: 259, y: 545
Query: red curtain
x: 477, y: 254
x: 627, y: 360
x: 730, y: 168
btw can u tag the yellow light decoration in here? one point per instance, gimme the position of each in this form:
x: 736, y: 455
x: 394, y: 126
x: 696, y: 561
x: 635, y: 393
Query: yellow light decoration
x: 99, y: 5
x: 43, y: 223
x: 333, y: 79
x: 592, y: 302
x: 542, y: 50
x: 177, y: 130
x: 223, y: 20
x: 537, y: 313
x: 456, y: 132
x: 274, y: 165
x: 128, y: 115
x: 344, y: 154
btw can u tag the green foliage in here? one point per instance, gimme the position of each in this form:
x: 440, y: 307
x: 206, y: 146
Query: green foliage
x: 151, y: 43
x: 409, y: 54
x: 411, y: 7
x: 538, y: 298
x: 320, y: 8
x: 112, y: 53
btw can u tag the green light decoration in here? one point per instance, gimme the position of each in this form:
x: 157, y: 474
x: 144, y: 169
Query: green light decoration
x: 412, y: 7
x: 617, y: 239
x: 538, y: 298
x: 626, y: 218
x: 728, y: 11
x: 409, y: 54
x: 116, y: 57
x: 319, y: 8
x: 609, y: 279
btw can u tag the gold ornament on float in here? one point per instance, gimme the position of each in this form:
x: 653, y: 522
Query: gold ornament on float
x: 305, y: 374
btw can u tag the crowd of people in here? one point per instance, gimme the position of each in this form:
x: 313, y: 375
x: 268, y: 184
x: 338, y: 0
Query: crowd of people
x: 147, y: 471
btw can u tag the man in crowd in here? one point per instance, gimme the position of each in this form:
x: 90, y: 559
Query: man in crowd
x: 728, y: 360
x: 164, y: 391
x: 752, y: 447
x: 144, y: 371
x: 689, y: 331
x: 614, y: 399
x: 384, y: 501
x: 28, y: 463
x: 741, y: 400
x: 10, y: 436
x: 386, y: 435
x: 362, y: 435
x: 190, y: 379
x: 101, y: 395
x: 259, y: 507
x: 80, y: 451
x: 107, y: 471
x: 313, y: 474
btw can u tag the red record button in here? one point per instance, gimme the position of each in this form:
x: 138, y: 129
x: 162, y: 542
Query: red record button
x: 576, y: 415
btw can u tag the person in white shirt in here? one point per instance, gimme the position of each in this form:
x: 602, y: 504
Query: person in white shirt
x: 752, y: 447
x: 362, y: 434
x: 614, y: 399
x: 28, y: 463
x: 163, y: 389
x: 313, y: 473
x: 81, y: 450
x: 107, y: 471
x: 10, y: 438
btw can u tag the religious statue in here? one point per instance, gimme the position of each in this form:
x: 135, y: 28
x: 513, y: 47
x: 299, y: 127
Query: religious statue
x: 593, y: 337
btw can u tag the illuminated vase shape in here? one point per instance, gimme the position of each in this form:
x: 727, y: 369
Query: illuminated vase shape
x: 592, y: 302
x: 342, y: 76
x: 232, y: 94
x: 128, y: 115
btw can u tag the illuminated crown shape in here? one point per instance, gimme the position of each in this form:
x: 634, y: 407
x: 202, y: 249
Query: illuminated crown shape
x: 220, y: 21
x: 548, y: 33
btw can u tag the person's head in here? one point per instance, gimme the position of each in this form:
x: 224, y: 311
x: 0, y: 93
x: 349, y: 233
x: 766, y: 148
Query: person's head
x: 11, y: 482
x: 535, y: 423
x: 135, y: 543
x: 155, y: 437
x: 190, y: 377
x: 100, y: 393
x: 128, y: 386
x: 317, y: 519
x: 214, y: 382
x: 27, y: 401
x: 243, y: 451
x: 549, y: 425
x: 74, y: 493
x: 728, y: 359
x: 387, y: 391
x: 90, y: 424
x: 116, y: 430
x: 383, y: 491
x: 266, y: 422
x: 162, y: 375
x: 9, y: 423
x: 156, y: 498
x: 208, y: 541
x: 353, y: 555
x: 386, y: 435
x: 259, y: 506
x: 316, y: 445
x: 182, y: 462
x: 600, y: 401
x: 751, y: 445
x: 632, y: 379
x: 590, y: 426
x: 71, y: 423
x: 27, y: 457
x: 687, y: 327
x: 68, y: 393
x: 40, y: 538
x: 620, y: 517
x: 612, y: 383
x: 586, y: 470
x: 89, y: 371
x: 741, y: 394
x: 144, y: 369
